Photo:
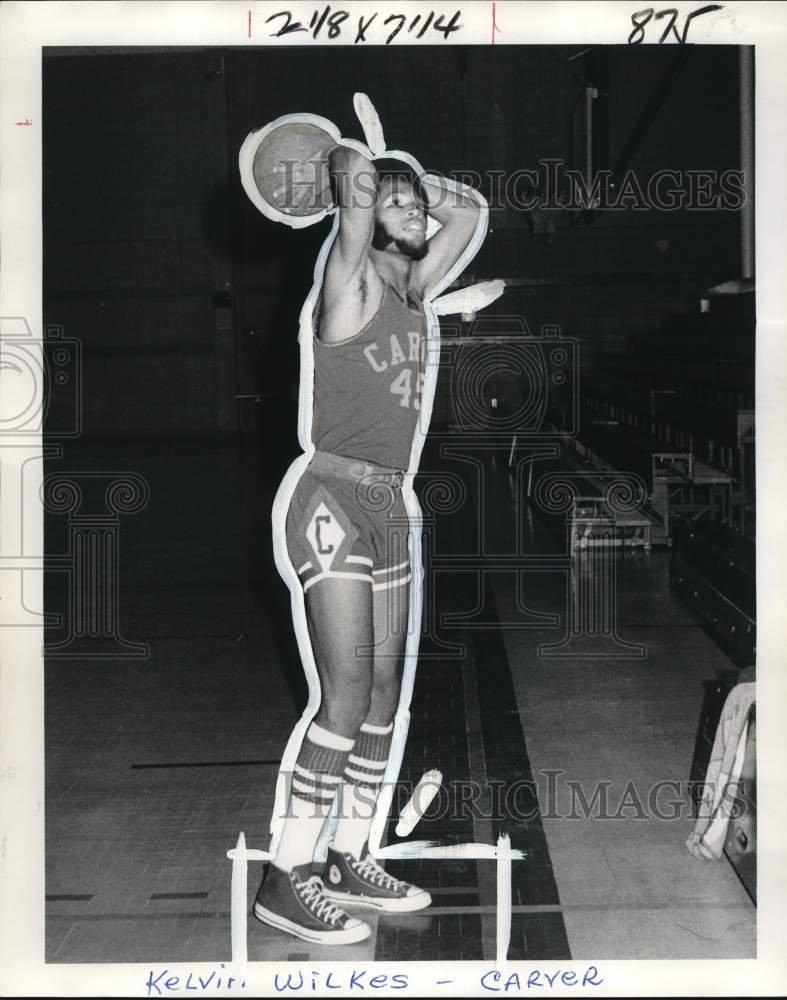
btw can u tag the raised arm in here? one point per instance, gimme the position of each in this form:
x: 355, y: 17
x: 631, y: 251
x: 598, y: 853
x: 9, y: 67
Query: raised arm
x: 348, y: 274
x: 458, y: 214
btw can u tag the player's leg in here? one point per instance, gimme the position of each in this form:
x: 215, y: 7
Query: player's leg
x: 324, y: 547
x: 363, y: 776
x: 339, y: 616
x: 351, y: 874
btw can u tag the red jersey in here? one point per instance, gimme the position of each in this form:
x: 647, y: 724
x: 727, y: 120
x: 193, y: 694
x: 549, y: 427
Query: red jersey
x: 367, y: 390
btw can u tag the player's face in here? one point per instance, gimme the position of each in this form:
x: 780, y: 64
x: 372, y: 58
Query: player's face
x: 400, y: 219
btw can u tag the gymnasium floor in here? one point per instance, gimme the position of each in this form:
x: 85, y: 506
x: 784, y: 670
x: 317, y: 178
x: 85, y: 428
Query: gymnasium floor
x: 154, y: 765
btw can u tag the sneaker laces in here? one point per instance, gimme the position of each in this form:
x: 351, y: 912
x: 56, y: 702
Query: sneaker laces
x: 369, y: 869
x: 311, y: 893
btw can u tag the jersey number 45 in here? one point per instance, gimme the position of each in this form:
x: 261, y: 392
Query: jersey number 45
x: 403, y: 387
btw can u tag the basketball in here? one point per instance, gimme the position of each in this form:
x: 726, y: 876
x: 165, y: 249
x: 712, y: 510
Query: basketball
x: 290, y: 169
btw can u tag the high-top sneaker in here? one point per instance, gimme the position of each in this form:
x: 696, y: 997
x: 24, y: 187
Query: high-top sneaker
x: 365, y: 883
x: 295, y: 902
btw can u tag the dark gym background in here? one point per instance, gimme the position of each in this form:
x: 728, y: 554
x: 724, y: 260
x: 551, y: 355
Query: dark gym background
x: 186, y: 301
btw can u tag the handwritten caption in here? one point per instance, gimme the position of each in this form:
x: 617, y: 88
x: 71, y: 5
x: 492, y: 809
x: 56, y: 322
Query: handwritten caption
x: 642, y: 18
x: 335, y: 22
x: 493, y: 981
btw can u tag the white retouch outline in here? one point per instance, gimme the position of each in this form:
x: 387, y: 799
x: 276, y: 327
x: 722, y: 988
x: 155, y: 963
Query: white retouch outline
x: 423, y: 795
x: 240, y: 855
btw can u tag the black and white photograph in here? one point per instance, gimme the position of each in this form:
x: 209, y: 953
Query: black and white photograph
x: 386, y: 543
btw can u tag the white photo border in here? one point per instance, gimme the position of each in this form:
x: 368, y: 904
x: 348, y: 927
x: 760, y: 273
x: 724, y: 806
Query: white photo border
x: 27, y: 27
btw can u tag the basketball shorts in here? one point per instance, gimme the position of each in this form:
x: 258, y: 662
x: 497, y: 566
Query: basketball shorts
x: 347, y: 521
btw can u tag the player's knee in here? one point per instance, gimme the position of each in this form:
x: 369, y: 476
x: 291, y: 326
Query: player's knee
x: 385, y: 695
x: 345, y: 715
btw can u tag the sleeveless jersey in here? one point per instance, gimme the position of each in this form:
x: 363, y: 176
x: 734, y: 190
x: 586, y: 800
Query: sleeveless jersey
x: 367, y: 390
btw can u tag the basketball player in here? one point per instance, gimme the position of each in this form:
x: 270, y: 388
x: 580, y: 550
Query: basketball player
x: 347, y: 533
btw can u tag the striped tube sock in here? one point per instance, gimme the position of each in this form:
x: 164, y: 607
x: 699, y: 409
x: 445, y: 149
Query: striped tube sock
x: 363, y: 779
x: 315, y: 780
